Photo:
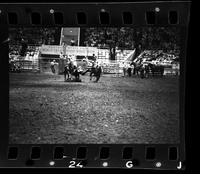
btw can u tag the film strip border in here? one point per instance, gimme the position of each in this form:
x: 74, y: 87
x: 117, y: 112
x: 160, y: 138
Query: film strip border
x: 110, y: 14
x: 92, y: 156
x: 95, y: 14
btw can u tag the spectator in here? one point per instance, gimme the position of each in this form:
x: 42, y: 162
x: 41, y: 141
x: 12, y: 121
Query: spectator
x: 94, y: 58
x: 61, y: 55
x: 72, y: 42
x: 65, y: 57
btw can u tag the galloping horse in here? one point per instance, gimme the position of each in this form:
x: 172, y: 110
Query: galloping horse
x: 94, y: 71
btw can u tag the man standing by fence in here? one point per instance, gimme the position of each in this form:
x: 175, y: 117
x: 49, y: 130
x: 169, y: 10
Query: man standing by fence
x: 124, y: 68
x: 53, y: 63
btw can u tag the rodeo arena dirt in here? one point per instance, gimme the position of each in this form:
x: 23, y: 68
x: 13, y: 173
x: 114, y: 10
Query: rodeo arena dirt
x: 72, y: 86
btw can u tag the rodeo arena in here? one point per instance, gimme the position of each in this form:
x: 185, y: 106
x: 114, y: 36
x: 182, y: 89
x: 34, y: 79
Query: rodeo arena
x: 94, y: 85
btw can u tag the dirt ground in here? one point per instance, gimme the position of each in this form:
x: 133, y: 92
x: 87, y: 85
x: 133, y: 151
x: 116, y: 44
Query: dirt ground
x: 45, y: 109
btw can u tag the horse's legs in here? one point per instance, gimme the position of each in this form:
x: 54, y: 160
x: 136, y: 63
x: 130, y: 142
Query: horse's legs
x: 91, y: 75
x: 153, y: 73
x: 142, y: 73
x: 136, y: 72
x: 67, y: 75
x: 64, y: 76
x: 70, y: 76
x: 145, y: 73
x: 97, y: 78
x: 77, y: 76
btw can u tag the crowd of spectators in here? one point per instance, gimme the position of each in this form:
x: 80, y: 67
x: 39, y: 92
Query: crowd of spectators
x: 14, y: 49
x: 32, y: 53
x: 149, y: 38
x: 25, y: 41
x: 101, y: 37
x: 35, y: 36
x: 157, y: 57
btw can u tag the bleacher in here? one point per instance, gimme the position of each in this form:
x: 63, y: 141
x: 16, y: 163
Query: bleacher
x: 33, y: 38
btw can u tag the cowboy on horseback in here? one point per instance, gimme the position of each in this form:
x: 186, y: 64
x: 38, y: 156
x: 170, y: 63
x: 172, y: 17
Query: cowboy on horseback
x: 71, y: 69
x: 95, y: 70
x: 68, y: 69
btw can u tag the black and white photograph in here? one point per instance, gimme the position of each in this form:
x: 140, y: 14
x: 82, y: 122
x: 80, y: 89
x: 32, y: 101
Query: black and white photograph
x: 94, y: 85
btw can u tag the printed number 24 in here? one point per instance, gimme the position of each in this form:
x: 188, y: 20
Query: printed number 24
x: 73, y: 164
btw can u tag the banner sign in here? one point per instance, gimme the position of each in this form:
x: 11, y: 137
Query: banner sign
x: 68, y: 50
x: 51, y: 49
x: 111, y: 68
x: 83, y: 51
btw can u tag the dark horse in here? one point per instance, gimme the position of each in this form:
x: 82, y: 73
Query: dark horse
x: 156, y: 69
x: 71, y: 70
x: 141, y: 70
x: 145, y: 70
x: 94, y: 71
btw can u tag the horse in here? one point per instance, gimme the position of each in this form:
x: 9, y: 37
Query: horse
x: 141, y: 70
x: 137, y: 68
x: 71, y: 70
x: 94, y: 71
x: 156, y: 69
